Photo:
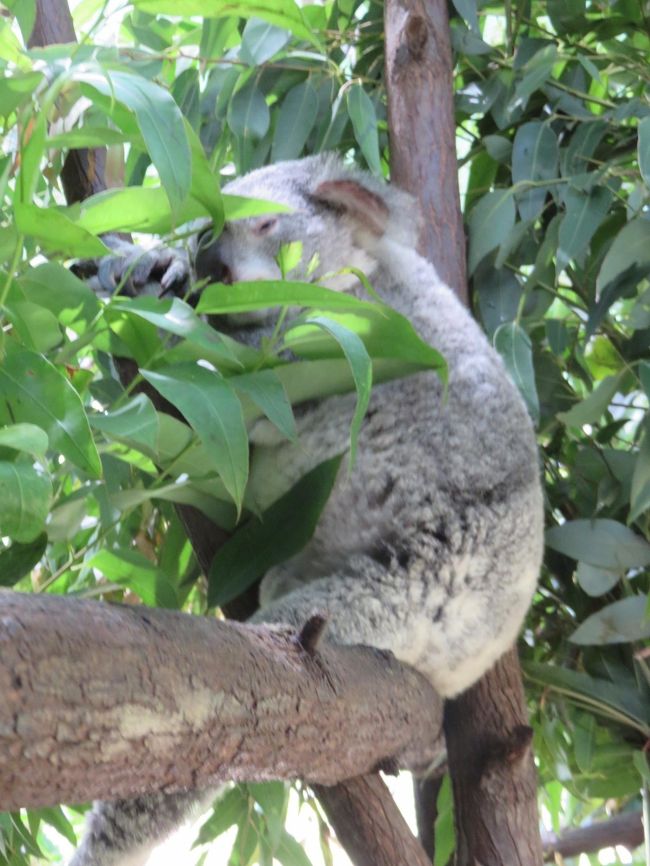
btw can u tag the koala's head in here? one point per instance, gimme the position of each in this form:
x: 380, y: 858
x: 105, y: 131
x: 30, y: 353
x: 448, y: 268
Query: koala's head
x: 339, y: 215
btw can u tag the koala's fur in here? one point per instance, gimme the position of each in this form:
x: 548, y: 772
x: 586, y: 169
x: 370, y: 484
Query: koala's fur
x: 431, y: 548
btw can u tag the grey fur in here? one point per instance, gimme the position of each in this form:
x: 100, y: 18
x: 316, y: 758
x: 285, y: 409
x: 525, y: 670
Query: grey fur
x: 432, y: 547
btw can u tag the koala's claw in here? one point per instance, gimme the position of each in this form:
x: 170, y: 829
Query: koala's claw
x: 135, y: 271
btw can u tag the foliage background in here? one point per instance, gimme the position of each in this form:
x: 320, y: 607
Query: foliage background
x: 554, y: 153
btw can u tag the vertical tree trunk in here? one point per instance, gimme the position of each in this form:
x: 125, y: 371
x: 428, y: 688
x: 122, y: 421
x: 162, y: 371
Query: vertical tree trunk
x: 488, y: 739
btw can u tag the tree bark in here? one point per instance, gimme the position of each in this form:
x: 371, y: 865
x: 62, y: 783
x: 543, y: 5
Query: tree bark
x: 492, y: 771
x: 625, y: 829
x: 490, y: 761
x: 422, y: 128
x: 369, y: 825
x: 193, y: 701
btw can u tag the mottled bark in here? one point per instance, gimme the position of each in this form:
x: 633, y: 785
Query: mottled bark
x: 422, y: 128
x: 379, y: 835
x: 192, y: 701
x: 492, y: 771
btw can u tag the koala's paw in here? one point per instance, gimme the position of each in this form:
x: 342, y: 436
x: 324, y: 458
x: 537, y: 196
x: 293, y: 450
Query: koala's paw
x: 135, y: 271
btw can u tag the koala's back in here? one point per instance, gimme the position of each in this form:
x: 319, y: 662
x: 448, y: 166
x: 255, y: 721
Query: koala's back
x: 442, y: 514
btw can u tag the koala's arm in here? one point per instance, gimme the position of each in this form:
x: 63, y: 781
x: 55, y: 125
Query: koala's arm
x: 125, y: 832
x: 136, y: 271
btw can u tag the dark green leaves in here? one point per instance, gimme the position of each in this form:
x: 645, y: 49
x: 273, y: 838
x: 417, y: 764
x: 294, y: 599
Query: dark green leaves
x: 211, y: 406
x: 514, y: 346
x: 32, y: 390
x: 534, y: 159
x: 161, y: 124
x: 284, y: 529
x: 295, y: 121
x: 490, y: 223
x: 364, y: 122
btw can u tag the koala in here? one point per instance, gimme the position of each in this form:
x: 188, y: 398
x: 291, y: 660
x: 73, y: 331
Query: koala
x: 431, y: 547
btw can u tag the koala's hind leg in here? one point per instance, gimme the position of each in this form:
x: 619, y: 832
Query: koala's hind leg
x: 366, y: 603
x: 125, y: 832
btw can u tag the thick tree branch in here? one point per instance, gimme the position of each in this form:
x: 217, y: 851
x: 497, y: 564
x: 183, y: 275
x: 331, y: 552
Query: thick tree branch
x: 625, y: 829
x: 379, y: 835
x: 193, y: 701
x: 492, y: 771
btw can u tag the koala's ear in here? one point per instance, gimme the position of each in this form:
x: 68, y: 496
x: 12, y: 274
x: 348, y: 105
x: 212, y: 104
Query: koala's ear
x: 367, y: 208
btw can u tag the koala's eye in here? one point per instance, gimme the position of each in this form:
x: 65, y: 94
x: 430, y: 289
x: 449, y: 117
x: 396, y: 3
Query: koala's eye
x: 265, y: 225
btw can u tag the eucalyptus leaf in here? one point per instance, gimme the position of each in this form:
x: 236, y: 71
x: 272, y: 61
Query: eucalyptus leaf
x: 210, y: 405
x: 295, y: 121
x: 25, y: 498
x: 621, y: 621
x: 534, y: 159
x: 514, y: 346
x: 490, y: 222
x: 285, y: 528
x: 19, y: 559
x: 34, y: 391
x: 364, y: 123
x: 602, y: 542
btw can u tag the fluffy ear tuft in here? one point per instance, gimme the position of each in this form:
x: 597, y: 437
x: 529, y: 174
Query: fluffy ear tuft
x: 366, y: 207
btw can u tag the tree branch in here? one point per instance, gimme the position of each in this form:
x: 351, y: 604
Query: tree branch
x: 369, y: 825
x: 193, y: 701
x: 625, y: 829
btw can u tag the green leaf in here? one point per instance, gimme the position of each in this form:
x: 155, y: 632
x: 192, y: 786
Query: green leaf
x: 584, y: 213
x: 283, y: 13
x: 631, y: 246
x: 88, y: 136
x: 499, y: 295
x: 644, y: 149
x: 490, y: 222
x: 640, y: 489
x: 177, y: 317
x: 295, y: 120
x: 514, y: 346
x: 136, y: 422
x: 24, y: 437
x: 285, y: 528
x: 248, y: 113
x: 534, y: 158
x: 210, y: 405
x: 25, y: 498
x: 620, y: 622
x: 34, y: 391
x: 56, y: 289
x: 364, y: 123
x: 360, y: 366
x: 55, y: 817
x: 290, y: 852
x: 57, y: 233
x: 161, y: 123
x: 644, y: 376
x: 596, y: 581
x: 257, y: 295
x: 231, y: 808
x: 267, y: 392
x: 19, y: 559
x: 260, y: 41
x: 608, y: 699
x: 16, y: 90
x: 445, y: 836
x: 132, y: 569
x: 592, y: 407
x: 601, y: 542
x: 536, y: 73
